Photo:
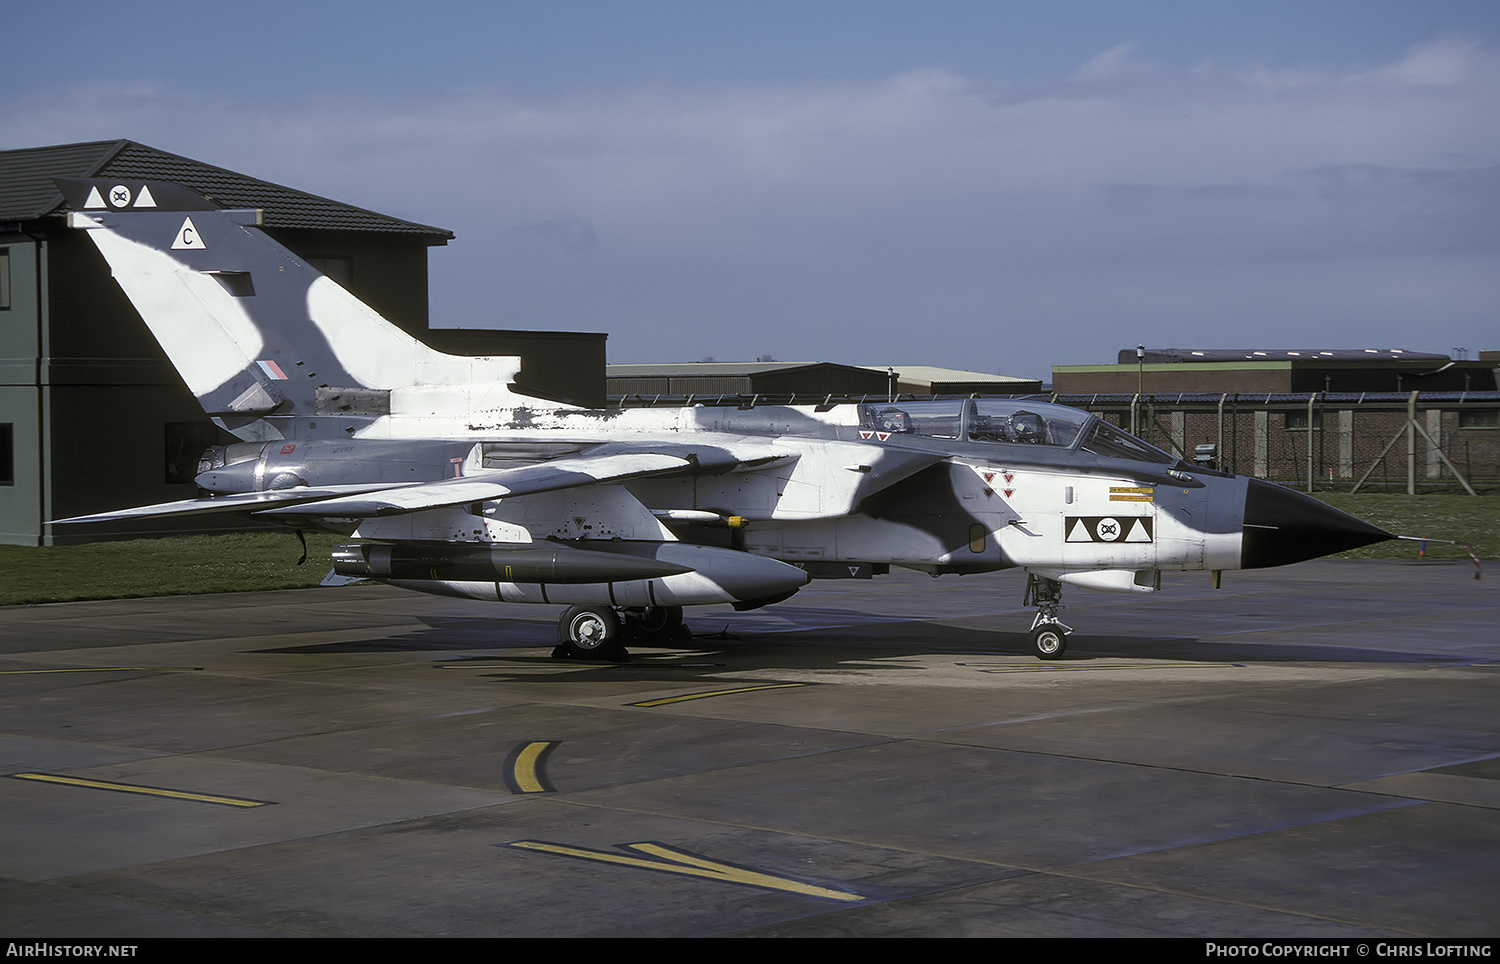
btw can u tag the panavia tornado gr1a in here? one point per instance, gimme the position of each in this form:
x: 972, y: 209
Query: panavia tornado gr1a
x: 449, y: 481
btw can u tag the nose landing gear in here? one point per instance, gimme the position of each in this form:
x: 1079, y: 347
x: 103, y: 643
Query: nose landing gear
x: 1049, y: 635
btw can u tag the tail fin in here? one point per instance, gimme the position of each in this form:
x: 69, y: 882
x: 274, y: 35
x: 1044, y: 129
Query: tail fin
x: 266, y: 342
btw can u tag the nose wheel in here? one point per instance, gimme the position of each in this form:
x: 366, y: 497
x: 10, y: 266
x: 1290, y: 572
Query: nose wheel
x: 1049, y: 641
x: 1049, y: 635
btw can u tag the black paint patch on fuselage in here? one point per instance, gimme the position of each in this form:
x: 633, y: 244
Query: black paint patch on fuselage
x: 930, y: 501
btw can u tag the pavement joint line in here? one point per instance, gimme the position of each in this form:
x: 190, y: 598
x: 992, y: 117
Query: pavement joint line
x: 710, y: 694
x: 1226, y: 901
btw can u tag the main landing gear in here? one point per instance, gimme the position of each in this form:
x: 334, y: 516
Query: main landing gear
x: 600, y: 632
x: 1049, y: 635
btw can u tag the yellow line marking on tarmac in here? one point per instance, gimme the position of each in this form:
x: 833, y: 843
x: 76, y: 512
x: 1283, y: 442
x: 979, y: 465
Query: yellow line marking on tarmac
x: 712, y: 693
x: 673, y: 861
x: 105, y: 669
x: 149, y: 791
x: 525, y: 772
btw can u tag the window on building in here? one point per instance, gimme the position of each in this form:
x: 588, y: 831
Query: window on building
x: 4, y: 279
x: 7, y: 454
x: 1479, y: 418
x: 1297, y: 421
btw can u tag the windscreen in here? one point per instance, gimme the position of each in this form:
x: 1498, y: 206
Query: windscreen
x: 1106, y: 440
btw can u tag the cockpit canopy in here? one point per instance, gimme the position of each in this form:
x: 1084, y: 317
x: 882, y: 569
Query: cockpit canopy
x: 1011, y: 422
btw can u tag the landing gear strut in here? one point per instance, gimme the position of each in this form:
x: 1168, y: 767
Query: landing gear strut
x: 1049, y: 635
x: 654, y: 623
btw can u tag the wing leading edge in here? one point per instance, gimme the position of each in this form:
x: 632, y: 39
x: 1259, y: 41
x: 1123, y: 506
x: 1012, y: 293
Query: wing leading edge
x: 386, y: 499
x: 239, y: 502
x: 487, y: 486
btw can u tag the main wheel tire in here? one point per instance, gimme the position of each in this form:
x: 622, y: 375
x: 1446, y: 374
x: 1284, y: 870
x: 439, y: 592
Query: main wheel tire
x: 589, y: 632
x: 1048, y: 641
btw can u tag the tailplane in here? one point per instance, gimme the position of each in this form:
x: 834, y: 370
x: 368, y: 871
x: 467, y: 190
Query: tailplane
x: 270, y: 346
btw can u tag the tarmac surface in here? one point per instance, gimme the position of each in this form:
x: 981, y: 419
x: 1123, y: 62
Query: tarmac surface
x: 1309, y: 752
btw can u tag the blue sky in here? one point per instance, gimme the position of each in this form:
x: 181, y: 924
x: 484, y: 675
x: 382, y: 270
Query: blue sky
x: 996, y: 186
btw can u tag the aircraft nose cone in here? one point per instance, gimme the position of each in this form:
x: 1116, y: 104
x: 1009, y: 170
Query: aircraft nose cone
x: 1284, y: 526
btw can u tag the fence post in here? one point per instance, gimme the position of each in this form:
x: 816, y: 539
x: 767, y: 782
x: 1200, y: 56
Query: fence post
x: 1310, y: 398
x: 1435, y: 443
x: 1262, y: 422
x: 1219, y: 449
x: 1234, y: 432
x: 1411, y: 444
x: 1346, y: 443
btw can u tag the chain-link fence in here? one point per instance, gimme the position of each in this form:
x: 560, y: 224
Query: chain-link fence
x: 1373, y: 442
x: 1396, y: 442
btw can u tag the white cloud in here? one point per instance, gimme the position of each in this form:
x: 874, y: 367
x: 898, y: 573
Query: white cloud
x: 926, y: 219
x: 1113, y: 64
x: 1448, y: 62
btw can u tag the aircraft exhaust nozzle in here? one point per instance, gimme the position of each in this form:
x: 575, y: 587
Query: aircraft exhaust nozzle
x: 480, y: 563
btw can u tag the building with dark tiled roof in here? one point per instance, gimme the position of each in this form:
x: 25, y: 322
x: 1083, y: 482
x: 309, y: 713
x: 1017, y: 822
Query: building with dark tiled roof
x: 93, y: 417
x: 27, y: 191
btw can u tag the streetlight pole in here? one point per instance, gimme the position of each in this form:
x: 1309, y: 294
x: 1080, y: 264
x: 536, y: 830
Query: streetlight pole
x: 1140, y: 387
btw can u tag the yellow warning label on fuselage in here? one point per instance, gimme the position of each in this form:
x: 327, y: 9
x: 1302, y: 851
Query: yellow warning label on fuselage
x: 1131, y: 493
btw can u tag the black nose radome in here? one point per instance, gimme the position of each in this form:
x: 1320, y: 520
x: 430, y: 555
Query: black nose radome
x: 1284, y: 526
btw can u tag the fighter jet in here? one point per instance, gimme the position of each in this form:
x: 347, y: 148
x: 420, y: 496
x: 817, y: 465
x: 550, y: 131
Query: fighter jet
x: 448, y: 480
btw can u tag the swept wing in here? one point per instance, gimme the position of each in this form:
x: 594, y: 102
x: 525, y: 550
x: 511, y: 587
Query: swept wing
x: 616, y: 464
x: 239, y: 502
x: 564, y: 473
